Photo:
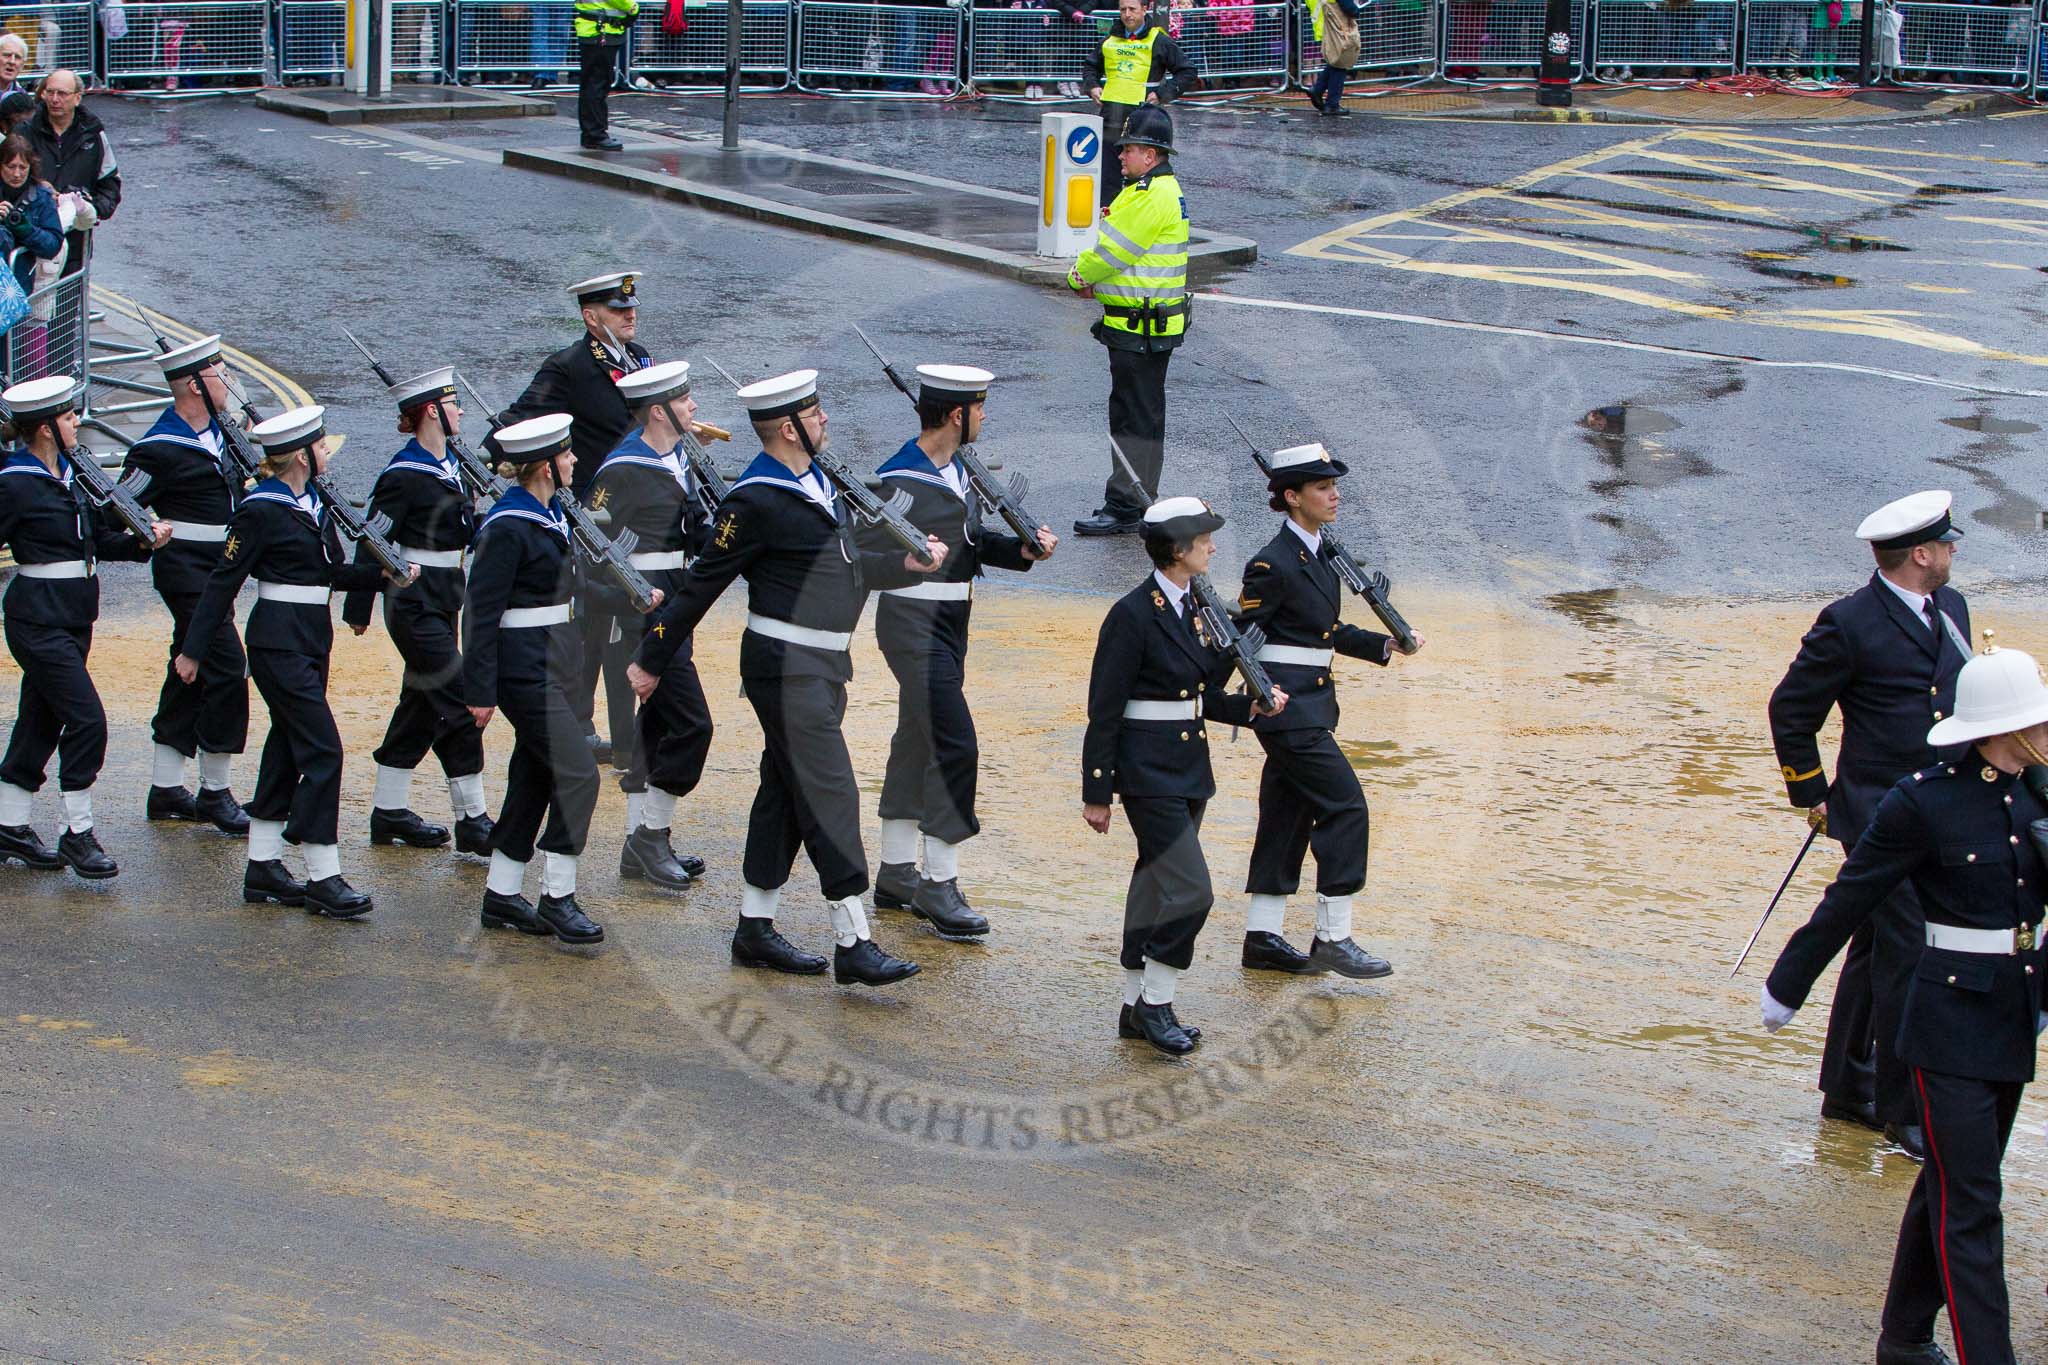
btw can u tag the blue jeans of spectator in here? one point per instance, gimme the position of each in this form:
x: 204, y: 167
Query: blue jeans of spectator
x: 1329, y: 86
x: 547, y: 44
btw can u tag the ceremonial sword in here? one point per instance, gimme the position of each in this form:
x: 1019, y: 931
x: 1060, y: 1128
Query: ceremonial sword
x: 1811, y: 835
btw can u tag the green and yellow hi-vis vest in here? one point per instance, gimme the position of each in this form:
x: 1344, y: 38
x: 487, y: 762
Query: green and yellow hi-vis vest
x: 1139, y: 263
x: 604, y: 18
x: 1127, y: 67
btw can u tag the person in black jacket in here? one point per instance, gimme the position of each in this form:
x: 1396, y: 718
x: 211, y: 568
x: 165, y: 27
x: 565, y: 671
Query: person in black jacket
x: 1309, y: 795
x: 934, y: 761
x: 77, y: 157
x: 1887, y: 656
x: 432, y: 522
x: 56, y: 536
x: 284, y: 535
x: 194, y: 483
x: 1136, y: 64
x: 1967, y: 834
x: 1157, y: 677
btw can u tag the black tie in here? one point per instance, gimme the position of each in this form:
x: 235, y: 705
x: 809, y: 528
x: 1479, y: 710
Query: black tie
x: 1927, y: 610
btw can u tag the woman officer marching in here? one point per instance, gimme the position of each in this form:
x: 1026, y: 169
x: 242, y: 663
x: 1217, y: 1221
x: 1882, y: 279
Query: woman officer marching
x: 50, y: 609
x: 285, y: 537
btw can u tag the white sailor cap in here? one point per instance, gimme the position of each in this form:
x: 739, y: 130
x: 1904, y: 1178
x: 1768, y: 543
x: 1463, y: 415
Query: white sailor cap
x: 607, y: 291
x: 1297, y: 465
x: 670, y: 379
x: 424, y: 388
x: 293, y: 430
x: 1913, y: 520
x: 45, y: 397
x: 536, y: 438
x: 190, y: 358
x: 1180, y: 518
x: 953, y: 383
x: 781, y: 396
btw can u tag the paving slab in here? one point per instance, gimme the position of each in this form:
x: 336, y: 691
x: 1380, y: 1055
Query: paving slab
x: 404, y: 104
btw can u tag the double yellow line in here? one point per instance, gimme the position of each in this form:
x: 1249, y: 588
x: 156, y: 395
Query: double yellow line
x: 288, y: 393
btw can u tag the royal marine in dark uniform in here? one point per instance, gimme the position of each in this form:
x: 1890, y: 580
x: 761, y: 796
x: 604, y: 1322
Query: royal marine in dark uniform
x: 934, y: 761
x: 787, y: 529
x: 1309, y: 797
x: 193, y: 484
x: 1967, y: 834
x: 1887, y: 656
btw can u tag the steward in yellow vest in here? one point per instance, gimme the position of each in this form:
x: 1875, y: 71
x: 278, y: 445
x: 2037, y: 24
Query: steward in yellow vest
x: 1137, y: 64
x: 601, y: 27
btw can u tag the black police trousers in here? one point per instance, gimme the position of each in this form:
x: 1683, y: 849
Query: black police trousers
x: 808, y: 797
x: 671, y: 733
x: 60, y: 709
x: 1170, y: 893
x: 1309, y: 797
x: 1952, y: 1241
x: 1114, y: 117
x: 211, y: 714
x: 934, y: 758
x: 593, y: 83
x: 298, y: 780
x: 550, y: 776
x: 430, y: 713
x: 1137, y: 419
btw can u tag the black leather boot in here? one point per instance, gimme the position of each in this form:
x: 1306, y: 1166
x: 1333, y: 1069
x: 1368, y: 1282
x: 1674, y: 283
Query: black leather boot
x: 81, y: 851
x: 1910, y: 1138
x: 895, y: 886
x: 867, y: 964
x: 473, y: 835
x: 1127, y: 1027
x: 943, y: 905
x: 170, y: 803
x: 218, y: 807
x: 1266, y: 952
x: 1851, y: 1110
x: 1110, y: 521
x: 1893, y: 1352
x: 269, y: 883
x: 1158, y: 1027
x: 566, y: 918
x: 336, y: 899
x: 405, y: 827
x: 646, y: 856
x: 20, y: 844
x: 1346, y: 958
x: 692, y: 864
x: 755, y: 943
x: 513, y: 912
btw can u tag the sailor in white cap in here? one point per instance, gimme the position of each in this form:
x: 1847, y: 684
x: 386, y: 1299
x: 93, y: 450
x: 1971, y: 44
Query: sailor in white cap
x: 522, y: 654
x: 785, y: 528
x: 433, y: 520
x: 1967, y: 835
x: 1156, y: 681
x: 56, y: 537
x: 194, y: 484
x: 649, y: 489
x: 1887, y: 656
x: 284, y: 536
x: 581, y: 380
x: 1309, y: 795
x: 928, y: 791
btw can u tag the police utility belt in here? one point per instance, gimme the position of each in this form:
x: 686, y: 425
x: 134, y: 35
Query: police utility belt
x: 62, y: 568
x: 935, y: 592
x: 1300, y: 655
x: 305, y: 594
x: 532, y: 618
x: 1953, y: 938
x: 1162, y: 710
x: 1152, y: 310
x: 836, y: 640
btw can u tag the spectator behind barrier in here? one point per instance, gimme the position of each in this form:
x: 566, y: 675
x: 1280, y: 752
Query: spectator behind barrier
x: 16, y: 106
x: 13, y: 57
x: 77, y: 159
x: 28, y: 211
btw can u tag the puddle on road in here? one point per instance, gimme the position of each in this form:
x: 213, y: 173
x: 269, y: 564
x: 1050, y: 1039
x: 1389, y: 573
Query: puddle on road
x: 1991, y: 426
x: 1815, y: 278
x: 1830, y: 240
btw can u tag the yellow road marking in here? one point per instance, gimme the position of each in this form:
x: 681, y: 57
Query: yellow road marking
x: 1936, y: 289
x: 2040, y: 228
x: 1733, y: 137
x: 288, y: 392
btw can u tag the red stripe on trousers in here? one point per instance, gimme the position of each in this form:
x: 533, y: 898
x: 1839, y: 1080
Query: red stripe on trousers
x: 1955, y: 1327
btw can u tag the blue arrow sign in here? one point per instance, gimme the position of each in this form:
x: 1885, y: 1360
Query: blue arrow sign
x: 1081, y: 146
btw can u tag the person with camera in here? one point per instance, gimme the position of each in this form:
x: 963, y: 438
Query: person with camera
x: 28, y: 211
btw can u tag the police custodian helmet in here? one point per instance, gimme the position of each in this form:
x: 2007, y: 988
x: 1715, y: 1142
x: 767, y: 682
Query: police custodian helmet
x: 1148, y: 126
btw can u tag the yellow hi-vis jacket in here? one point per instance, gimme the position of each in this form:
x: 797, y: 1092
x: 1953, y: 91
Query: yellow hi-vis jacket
x: 1139, y: 263
x: 605, y: 19
x: 1127, y: 67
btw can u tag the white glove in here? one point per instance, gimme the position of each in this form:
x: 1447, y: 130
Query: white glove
x: 1776, y: 1016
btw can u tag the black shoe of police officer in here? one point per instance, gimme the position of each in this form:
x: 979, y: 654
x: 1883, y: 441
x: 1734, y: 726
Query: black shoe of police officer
x: 566, y: 918
x: 405, y: 827
x: 756, y: 944
x: 692, y: 864
x: 1346, y: 958
x: 895, y: 886
x: 1157, y: 1026
x: 867, y: 963
x: 269, y: 883
x: 1127, y: 1026
x: 218, y: 807
x: 512, y: 912
x: 20, y: 844
x: 600, y: 748
x: 1892, y: 1351
x: 606, y: 143
x: 1909, y: 1138
x: 1851, y: 1111
x: 80, y: 849
x: 1268, y: 952
x: 1110, y: 520
x: 947, y: 910
x: 170, y: 803
x: 473, y: 835
x: 647, y: 856
x: 336, y: 899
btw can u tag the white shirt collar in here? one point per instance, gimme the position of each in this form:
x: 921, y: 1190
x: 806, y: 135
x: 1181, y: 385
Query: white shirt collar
x: 1915, y: 602
x: 814, y: 482
x: 1314, y: 540
x: 1174, y: 592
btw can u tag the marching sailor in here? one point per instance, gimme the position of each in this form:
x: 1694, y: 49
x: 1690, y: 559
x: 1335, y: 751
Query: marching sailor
x: 929, y: 787
x: 785, y: 527
x: 284, y: 535
x: 432, y: 522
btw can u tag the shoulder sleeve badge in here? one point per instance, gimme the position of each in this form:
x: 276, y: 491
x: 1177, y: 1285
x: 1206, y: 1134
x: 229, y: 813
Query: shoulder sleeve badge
x: 728, y: 533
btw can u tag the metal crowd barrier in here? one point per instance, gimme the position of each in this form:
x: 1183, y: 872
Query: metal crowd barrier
x: 56, y: 35
x: 1242, y: 43
x: 52, y: 338
x: 312, y: 37
x: 189, y: 38
x: 1395, y: 36
x: 697, y: 55
x: 1938, y: 42
x: 1778, y: 35
x: 1503, y: 39
x: 863, y: 49
x: 1030, y: 46
x: 501, y: 43
x: 1647, y: 36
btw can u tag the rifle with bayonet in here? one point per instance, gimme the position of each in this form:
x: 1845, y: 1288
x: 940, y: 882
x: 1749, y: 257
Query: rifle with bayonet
x: 234, y: 440
x: 477, y: 477
x: 1006, y: 499
x: 103, y: 493
x: 609, y: 553
x: 1374, y: 587
x: 866, y: 507
x: 711, y: 485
